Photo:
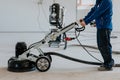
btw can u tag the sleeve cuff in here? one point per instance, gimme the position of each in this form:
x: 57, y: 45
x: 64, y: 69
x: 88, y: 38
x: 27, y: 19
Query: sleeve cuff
x: 86, y: 21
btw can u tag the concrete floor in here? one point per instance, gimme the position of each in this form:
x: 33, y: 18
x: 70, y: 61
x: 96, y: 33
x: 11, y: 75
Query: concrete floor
x: 87, y: 73
x: 61, y: 69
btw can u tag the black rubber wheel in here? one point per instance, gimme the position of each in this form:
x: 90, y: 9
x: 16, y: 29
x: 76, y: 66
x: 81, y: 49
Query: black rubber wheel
x: 20, y: 48
x: 43, y: 64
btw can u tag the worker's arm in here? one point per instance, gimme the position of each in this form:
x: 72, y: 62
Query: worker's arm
x: 98, y: 11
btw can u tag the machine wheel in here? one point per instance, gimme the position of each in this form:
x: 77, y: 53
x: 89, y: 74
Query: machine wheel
x: 48, y: 56
x: 20, y: 48
x: 43, y: 64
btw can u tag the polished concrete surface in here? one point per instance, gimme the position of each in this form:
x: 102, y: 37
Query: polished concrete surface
x: 61, y: 69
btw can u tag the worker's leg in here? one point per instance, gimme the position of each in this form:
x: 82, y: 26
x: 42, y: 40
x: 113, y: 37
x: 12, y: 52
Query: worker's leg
x: 104, y: 45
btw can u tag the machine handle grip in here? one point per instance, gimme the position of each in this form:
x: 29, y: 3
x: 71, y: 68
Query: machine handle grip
x: 80, y: 29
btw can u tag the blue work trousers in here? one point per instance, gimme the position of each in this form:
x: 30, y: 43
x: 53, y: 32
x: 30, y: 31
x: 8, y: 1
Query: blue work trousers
x: 105, y: 47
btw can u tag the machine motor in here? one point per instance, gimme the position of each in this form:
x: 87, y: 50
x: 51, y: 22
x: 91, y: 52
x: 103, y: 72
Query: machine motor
x: 56, y: 15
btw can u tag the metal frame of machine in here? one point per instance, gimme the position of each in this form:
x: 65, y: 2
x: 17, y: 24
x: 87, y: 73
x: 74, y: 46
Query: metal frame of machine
x: 43, y: 61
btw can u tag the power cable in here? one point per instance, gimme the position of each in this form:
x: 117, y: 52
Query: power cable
x: 84, y: 47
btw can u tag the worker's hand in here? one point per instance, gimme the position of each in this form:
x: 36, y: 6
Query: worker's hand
x: 82, y: 23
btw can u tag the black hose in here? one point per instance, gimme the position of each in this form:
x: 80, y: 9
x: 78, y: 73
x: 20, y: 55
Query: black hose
x: 77, y: 60
x: 93, y: 47
x: 72, y: 59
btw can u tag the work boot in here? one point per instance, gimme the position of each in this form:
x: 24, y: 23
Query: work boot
x: 103, y: 68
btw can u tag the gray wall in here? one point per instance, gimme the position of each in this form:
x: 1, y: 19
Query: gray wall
x: 116, y: 15
x: 26, y: 15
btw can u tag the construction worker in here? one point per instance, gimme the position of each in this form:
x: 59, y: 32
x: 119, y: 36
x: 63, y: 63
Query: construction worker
x: 102, y: 13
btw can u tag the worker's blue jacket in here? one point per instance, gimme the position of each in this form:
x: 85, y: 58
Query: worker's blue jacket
x: 101, y: 13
